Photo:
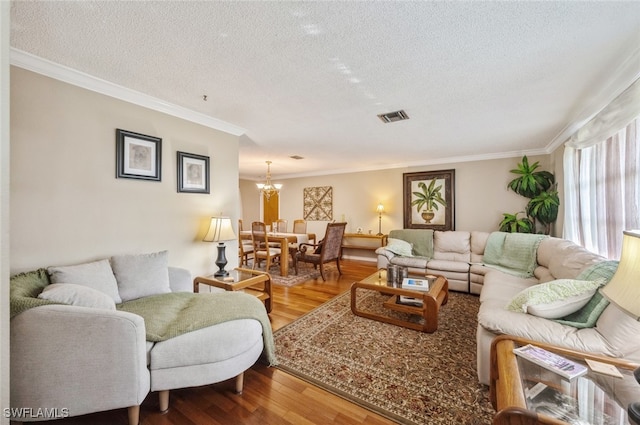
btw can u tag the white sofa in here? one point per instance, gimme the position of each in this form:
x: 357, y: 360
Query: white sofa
x: 74, y: 352
x: 456, y: 255
x: 452, y: 253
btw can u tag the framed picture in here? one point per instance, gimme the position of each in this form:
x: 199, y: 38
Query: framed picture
x: 317, y: 203
x: 429, y: 201
x: 193, y: 173
x: 138, y: 156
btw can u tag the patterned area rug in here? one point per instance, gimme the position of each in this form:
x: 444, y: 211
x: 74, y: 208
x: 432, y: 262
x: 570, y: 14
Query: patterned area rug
x: 407, y: 376
x: 305, y: 272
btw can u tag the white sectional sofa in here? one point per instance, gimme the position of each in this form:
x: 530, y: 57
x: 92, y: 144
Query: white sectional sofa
x: 597, y: 326
x: 457, y: 255
x: 101, y: 335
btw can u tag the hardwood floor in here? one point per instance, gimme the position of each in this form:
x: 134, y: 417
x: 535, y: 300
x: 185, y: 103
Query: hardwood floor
x: 270, y: 396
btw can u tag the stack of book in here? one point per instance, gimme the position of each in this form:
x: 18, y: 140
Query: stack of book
x: 421, y: 285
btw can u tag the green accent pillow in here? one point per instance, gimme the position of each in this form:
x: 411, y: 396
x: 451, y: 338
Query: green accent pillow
x: 588, y: 315
x: 399, y: 247
x: 555, y: 299
x: 24, y: 289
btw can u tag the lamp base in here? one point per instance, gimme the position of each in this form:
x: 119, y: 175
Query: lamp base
x: 221, y: 261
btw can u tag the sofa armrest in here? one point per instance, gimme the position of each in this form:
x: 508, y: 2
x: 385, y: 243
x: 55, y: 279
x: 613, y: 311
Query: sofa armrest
x: 180, y: 280
x: 77, y: 358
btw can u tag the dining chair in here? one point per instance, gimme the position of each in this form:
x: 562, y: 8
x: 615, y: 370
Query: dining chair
x: 281, y: 226
x: 261, y: 248
x: 299, y: 226
x: 329, y: 249
x: 245, y: 248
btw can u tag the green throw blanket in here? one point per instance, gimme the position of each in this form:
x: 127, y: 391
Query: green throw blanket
x: 169, y: 315
x: 513, y: 253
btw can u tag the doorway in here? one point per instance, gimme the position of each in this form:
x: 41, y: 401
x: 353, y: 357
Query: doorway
x: 270, y: 208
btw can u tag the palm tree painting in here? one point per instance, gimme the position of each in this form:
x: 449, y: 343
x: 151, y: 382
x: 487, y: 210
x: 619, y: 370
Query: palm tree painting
x: 428, y: 200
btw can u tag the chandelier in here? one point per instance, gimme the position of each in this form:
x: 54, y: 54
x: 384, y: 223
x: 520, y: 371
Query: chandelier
x: 267, y: 188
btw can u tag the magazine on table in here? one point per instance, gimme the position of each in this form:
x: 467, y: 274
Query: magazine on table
x: 403, y: 299
x: 415, y: 284
x: 551, y: 361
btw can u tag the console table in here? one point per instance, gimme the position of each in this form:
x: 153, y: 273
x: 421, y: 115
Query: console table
x: 363, y: 241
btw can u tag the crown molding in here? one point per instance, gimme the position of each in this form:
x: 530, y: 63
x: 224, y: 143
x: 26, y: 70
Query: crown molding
x: 438, y: 161
x: 68, y: 75
x: 625, y: 75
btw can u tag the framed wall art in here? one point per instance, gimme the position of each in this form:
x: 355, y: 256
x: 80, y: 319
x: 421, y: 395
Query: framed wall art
x: 193, y: 173
x: 138, y: 156
x: 428, y: 200
x: 318, y: 203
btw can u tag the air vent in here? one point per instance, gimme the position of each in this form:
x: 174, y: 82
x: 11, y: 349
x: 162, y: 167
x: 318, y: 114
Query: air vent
x: 296, y: 157
x: 394, y: 116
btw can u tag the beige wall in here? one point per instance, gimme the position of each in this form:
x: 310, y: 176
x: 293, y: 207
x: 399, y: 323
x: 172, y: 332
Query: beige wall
x: 68, y: 207
x: 4, y: 208
x: 481, y: 195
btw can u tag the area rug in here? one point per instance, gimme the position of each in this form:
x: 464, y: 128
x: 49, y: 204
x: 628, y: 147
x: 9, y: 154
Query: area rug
x: 407, y: 376
x: 305, y: 272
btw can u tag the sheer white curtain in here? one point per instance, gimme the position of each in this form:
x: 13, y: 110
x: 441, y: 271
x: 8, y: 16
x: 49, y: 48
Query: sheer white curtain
x: 602, y: 191
x: 602, y: 176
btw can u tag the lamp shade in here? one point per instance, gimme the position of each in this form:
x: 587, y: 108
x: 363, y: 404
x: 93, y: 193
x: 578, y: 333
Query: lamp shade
x: 220, y: 230
x: 380, y: 208
x: 624, y: 287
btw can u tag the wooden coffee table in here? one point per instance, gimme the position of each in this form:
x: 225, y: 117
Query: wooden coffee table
x: 437, y: 296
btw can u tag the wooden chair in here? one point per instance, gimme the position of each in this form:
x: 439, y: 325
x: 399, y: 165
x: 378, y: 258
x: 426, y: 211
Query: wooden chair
x: 325, y: 251
x: 281, y: 226
x: 245, y: 248
x: 261, y: 248
x: 299, y: 226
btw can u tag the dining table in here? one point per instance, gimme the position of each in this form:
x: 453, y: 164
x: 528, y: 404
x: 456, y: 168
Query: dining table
x: 283, y: 239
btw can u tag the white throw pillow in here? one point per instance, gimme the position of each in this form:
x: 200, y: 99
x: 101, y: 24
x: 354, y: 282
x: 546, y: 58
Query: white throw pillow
x: 555, y: 299
x: 79, y: 295
x: 97, y: 275
x: 141, y: 275
x: 399, y: 247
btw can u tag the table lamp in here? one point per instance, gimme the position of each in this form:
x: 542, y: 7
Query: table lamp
x: 623, y: 290
x: 220, y: 230
x: 380, y: 210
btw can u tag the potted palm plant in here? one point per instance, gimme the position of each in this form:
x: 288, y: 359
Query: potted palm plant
x: 540, y: 187
x: 429, y: 197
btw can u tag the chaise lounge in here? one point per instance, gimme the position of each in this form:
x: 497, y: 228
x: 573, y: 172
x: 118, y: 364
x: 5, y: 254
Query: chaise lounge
x: 101, y: 335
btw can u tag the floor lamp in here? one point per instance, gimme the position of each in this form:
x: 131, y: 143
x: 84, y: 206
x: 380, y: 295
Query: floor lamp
x: 220, y: 230
x: 380, y: 210
x: 623, y: 290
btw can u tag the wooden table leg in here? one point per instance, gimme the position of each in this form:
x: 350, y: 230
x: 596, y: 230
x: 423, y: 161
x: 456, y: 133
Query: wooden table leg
x: 284, y: 257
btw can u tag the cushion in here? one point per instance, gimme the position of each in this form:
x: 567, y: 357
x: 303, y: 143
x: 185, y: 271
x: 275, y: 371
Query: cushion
x: 399, y: 247
x: 97, y: 275
x: 24, y: 289
x: 141, y: 275
x: 555, y: 299
x: 588, y: 315
x: 79, y: 295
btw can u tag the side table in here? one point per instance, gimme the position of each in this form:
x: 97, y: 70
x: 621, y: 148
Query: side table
x: 253, y: 282
x: 524, y: 393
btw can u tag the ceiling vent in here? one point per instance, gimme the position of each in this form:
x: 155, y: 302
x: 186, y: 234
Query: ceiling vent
x: 394, y: 116
x: 296, y: 157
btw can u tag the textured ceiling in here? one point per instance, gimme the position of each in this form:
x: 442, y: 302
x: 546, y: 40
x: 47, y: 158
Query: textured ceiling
x: 477, y: 79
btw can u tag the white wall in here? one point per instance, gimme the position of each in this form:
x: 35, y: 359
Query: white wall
x: 481, y: 195
x: 4, y: 208
x: 67, y: 206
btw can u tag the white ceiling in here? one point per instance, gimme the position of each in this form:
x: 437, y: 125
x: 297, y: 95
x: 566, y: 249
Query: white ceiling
x: 478, y: 79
